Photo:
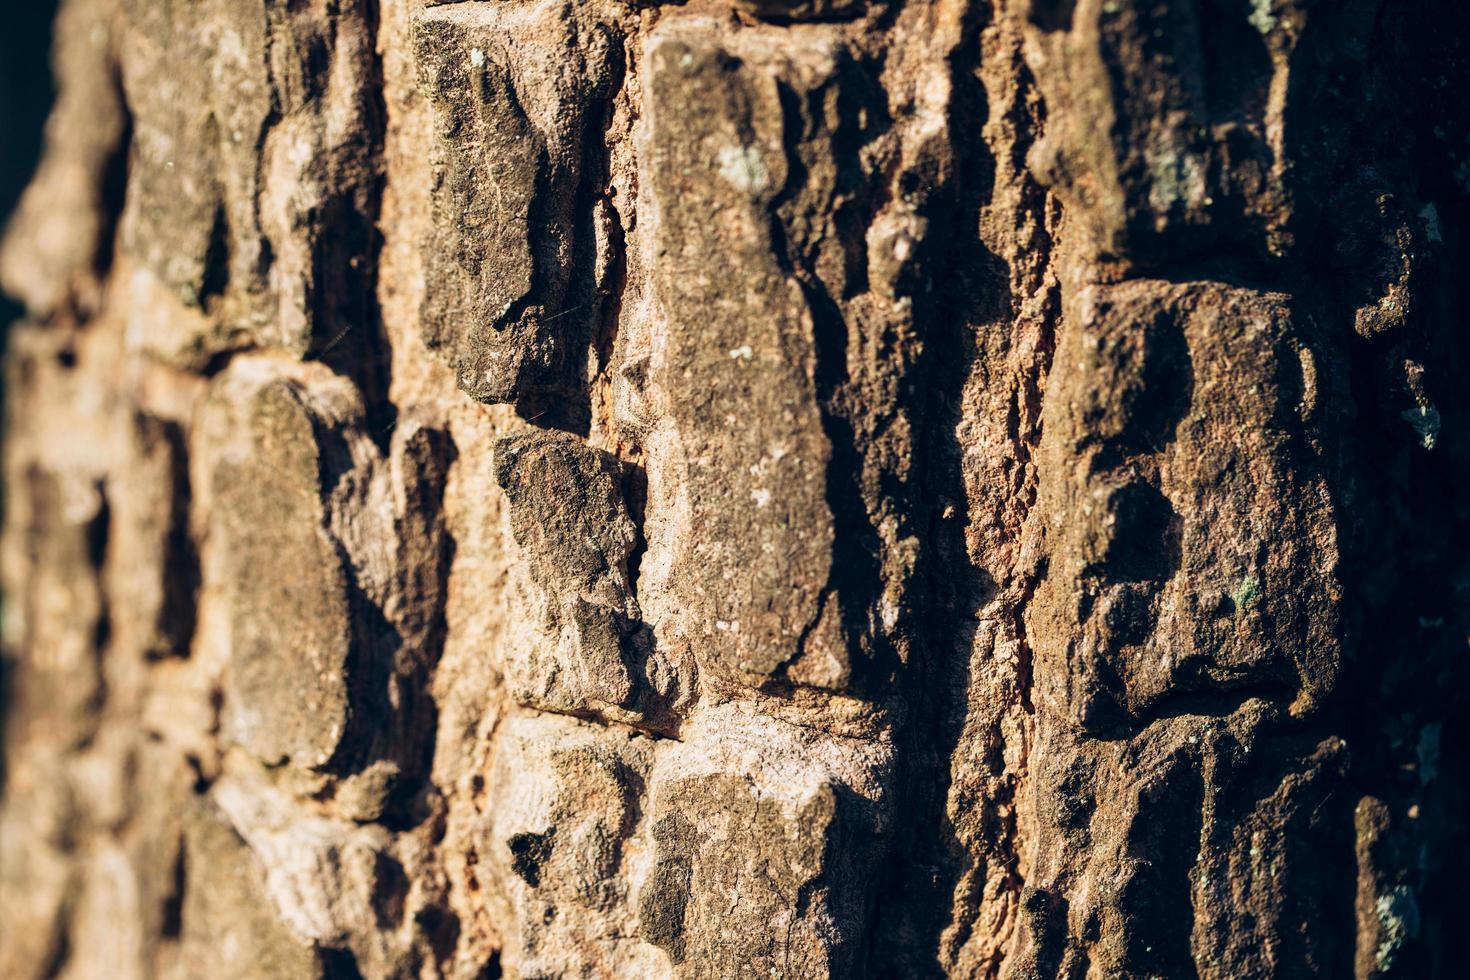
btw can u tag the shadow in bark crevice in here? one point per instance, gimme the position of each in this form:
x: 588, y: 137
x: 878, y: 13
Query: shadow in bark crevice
x: 918, y: 884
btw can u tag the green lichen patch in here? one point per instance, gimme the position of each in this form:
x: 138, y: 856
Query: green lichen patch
x: 1247, y: 593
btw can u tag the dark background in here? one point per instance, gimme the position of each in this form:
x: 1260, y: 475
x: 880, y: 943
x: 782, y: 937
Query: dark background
x: 26, y: 91
x: 25, y: 97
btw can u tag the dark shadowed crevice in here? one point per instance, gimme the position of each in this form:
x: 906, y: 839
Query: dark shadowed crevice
x: 113, y: 185
x: 491, y: 970
x: 172, y: 926
x: 855, y: 580
x: 916, y: 894
x: 338, y: 964
x: 26, y: 93
x: 348, y: 332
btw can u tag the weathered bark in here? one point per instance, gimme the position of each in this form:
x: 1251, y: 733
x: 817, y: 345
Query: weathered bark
x: 741, y: 488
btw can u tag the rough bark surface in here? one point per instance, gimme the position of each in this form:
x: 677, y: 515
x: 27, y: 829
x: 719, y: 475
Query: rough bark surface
x: 780, y: 488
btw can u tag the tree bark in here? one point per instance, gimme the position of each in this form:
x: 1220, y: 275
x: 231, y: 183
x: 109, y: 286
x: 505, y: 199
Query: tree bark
x: 781, y: 488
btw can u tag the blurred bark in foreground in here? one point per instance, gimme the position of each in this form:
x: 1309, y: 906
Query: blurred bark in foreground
x: 740, y: 488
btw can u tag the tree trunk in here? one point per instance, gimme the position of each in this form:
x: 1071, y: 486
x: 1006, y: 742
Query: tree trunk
x: 773, y: 488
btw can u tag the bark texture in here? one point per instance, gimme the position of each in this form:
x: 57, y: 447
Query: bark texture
x: 780, y: 488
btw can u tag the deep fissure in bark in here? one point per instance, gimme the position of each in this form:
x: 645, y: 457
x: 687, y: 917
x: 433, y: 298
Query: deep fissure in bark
x: 819, y: 487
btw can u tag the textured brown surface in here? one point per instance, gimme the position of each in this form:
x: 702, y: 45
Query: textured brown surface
x: 739, y: 488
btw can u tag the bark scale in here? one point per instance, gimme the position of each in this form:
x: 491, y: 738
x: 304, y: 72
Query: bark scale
x: 735, y: 488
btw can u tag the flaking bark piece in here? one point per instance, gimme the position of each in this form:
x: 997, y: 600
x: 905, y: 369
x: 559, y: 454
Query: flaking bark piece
x: 742, y: 359
x: 291, y: 630
x: 512, y: 90
x: 252, y: 180
x: 569, y: 518
x: 760, y: 833
x: 1194, y: 543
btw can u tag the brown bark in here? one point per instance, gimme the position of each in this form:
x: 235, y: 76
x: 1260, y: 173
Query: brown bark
x: 739, y: 488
